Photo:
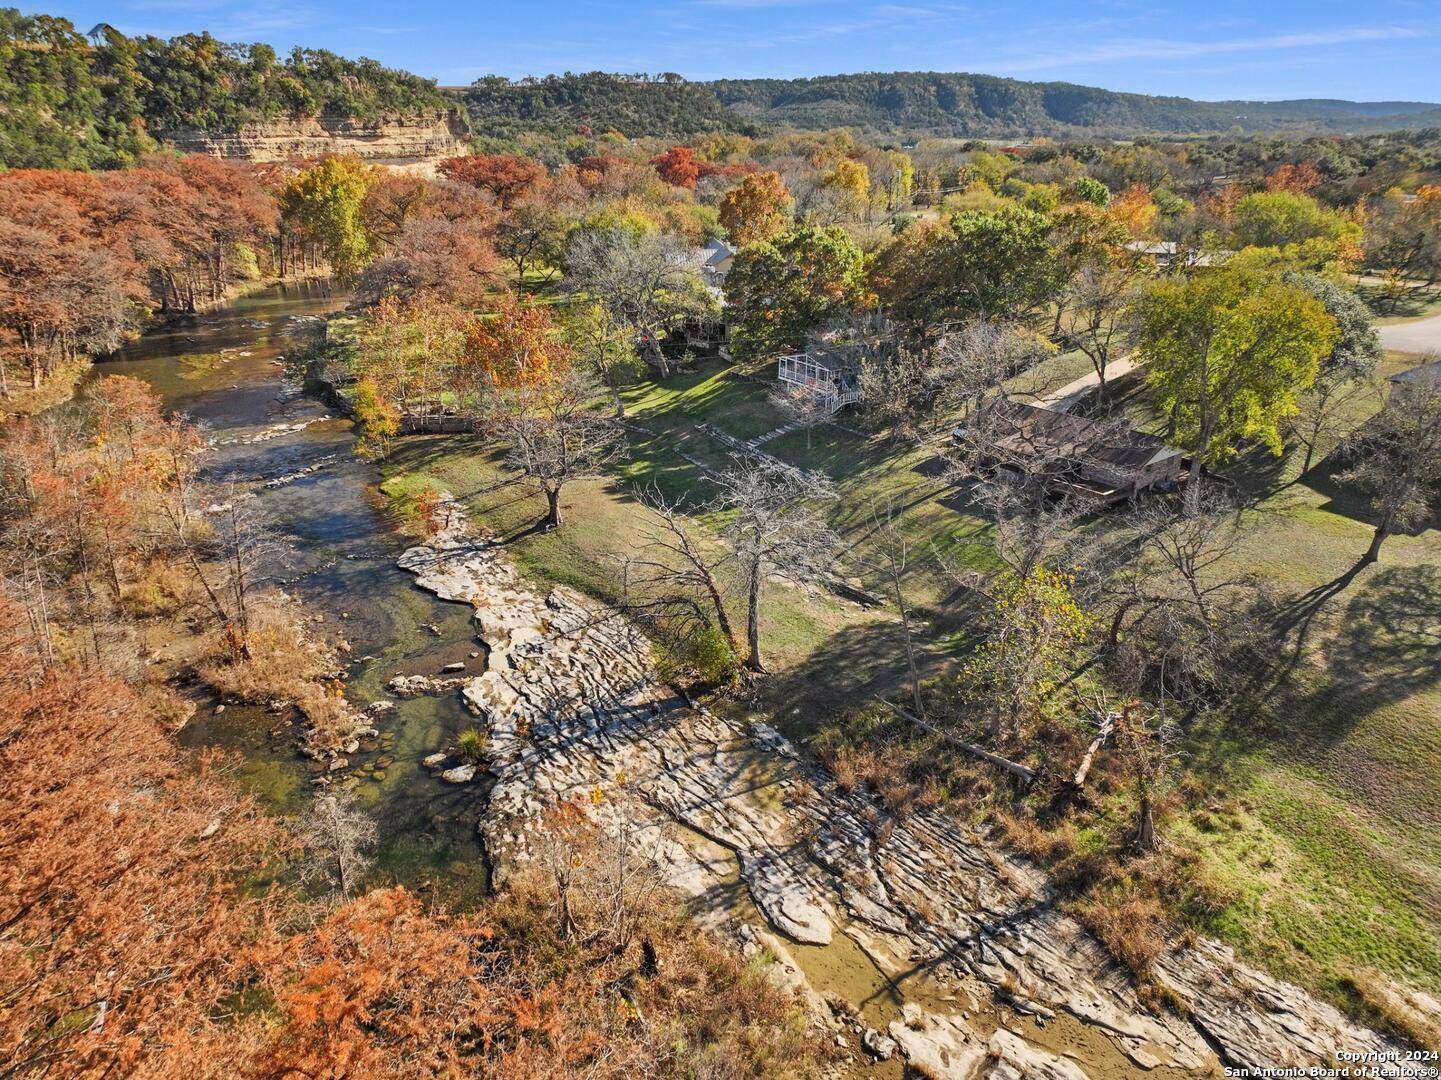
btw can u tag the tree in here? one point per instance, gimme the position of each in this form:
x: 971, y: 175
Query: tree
x: 1403, y: 241
x: 779, y: 289
x: 987, y: 264
x: 554, y: 437
x: 1279, y: 218
x: 605, y: 348
x: 1036, y: 629
x: 515, y: 346
x: 678, y: 166
x: 647, y: 282
x: 376, y: 418
x: 1093, y: 312
x: 755, y: 209
x: 1146, y: 745
x: 802, y: 406
x: 774, y: 526
x: 1346, y: 373
x: 533, y: 236
x: 1227, y: 353
x: 325, y: 204
x: 335, y: 836
x: 1398, y: 460
x: 410, y: 348
x: 1089, y: 189
x: 509, y: 177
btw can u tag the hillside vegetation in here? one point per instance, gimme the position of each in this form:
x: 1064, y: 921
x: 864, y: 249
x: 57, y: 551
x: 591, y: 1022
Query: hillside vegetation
x: 69, y: 102
x: 984, y: 105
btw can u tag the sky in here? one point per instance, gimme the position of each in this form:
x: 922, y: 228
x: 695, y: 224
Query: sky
x: 1219, y: 49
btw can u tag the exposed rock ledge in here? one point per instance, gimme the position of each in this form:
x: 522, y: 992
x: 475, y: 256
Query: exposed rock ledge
x: 571, y: 705
x: 402, y: 141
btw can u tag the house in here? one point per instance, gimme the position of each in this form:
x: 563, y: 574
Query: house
x: 1106, y: 461
x: 832, y: 373
x: 1167, y: 254
x: 708, y: 336
x: 715, y: 262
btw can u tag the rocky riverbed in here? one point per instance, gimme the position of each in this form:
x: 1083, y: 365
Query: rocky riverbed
x: 977, y: 972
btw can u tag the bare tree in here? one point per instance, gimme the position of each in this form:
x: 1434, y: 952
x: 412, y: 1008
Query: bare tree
x: 1146, y: 742
x: 802, y: 406
x: 1398, y: 459
x: 337, y: 838
x: 676, y: 568
x: 775, y: 526
x: 1093, y: 317
x: 892, y: 557
x: 555, y: 437
x: 648, y: 283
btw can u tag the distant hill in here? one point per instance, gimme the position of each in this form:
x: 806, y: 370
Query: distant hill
x: 634, y: 105
x: 987, y: 106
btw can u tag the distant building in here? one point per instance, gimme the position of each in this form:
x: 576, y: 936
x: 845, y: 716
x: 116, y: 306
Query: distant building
x: 715, y: 262
x: 833, y: 374
x: 1106, y: 461
x: 1167, y: 254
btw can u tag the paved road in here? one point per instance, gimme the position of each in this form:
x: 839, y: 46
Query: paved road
x: 1421, y: 336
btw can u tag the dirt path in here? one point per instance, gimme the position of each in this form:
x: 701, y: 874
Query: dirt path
x: 1420, y: 336
x: 1070, y: 395
x: 912, y: 937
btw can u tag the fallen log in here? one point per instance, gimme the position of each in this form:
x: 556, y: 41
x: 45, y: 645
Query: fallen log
x: 1108, y: 724
x: 1027, y: 776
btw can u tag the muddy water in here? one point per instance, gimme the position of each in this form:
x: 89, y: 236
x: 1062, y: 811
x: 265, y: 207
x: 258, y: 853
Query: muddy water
x: 337, y: 555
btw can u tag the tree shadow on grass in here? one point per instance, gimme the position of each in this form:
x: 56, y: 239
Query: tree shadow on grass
x: 1385, y: 648
x: 850, y: 670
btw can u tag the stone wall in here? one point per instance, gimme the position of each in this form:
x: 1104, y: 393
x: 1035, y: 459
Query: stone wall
x: 414, y: 141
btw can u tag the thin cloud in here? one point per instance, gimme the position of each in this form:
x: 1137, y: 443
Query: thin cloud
x: 1162, y: 49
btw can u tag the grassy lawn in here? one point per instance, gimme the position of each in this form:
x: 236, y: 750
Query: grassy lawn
x: 1327, y: 844
x: 1418, y: 305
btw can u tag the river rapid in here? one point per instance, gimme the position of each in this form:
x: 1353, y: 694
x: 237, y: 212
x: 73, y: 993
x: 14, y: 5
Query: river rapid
x: 337, y: 556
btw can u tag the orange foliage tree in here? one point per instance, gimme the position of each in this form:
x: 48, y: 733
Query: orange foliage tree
x: 508, y: 177
x: 755, y: 209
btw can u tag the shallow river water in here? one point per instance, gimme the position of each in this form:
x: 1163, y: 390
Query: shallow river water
x: 337, y: 556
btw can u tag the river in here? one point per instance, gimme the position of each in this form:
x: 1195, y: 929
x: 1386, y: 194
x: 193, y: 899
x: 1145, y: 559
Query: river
x: 337, y: 555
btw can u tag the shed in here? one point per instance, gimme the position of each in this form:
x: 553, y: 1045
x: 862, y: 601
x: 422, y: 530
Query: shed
x: 1108, y: 461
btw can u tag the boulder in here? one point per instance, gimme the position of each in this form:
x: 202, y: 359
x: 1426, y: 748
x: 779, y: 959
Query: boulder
x: 461, y: 774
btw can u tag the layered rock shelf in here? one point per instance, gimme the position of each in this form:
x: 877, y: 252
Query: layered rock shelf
x: 413, y: 140
x: 572, y: 707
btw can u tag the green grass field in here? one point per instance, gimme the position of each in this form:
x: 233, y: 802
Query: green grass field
x: 1326, y: 845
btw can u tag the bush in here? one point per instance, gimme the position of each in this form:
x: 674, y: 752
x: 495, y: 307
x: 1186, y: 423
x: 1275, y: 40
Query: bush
x: 705, y: 656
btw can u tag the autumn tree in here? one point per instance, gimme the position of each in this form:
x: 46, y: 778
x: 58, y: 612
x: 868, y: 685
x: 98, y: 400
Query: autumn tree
x: 755, y: 209
x: 1397, y: 458
x: 508, y: 177
x: 324, y: 203
x: 1403, y: 241
x: 517, y: 345
x: 1227, y: 353
x: 779, y: 289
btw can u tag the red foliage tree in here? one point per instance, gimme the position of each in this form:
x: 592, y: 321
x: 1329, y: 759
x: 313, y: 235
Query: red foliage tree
x: 508, y: 177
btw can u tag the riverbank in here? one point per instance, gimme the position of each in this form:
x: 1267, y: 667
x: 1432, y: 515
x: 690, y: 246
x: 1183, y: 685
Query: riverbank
x: 972, y: 953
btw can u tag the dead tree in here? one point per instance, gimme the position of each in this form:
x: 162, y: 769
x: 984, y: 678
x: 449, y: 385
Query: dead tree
x: 337, y: 838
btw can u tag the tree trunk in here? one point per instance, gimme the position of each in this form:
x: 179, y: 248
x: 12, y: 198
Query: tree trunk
x: 1192, y: 500
x: 1145, y: 839
x: 1373, y: 552
x: 552, y: 516
x: 753, y: 621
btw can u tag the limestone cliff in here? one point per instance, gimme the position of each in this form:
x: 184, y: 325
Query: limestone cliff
x: 403, y: 141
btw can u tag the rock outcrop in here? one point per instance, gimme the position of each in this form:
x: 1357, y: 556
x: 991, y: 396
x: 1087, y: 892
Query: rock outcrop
x: 572, y: 708
x: 405, y: 141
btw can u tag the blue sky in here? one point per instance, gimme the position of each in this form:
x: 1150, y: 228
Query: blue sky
x: 1379, y: 50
